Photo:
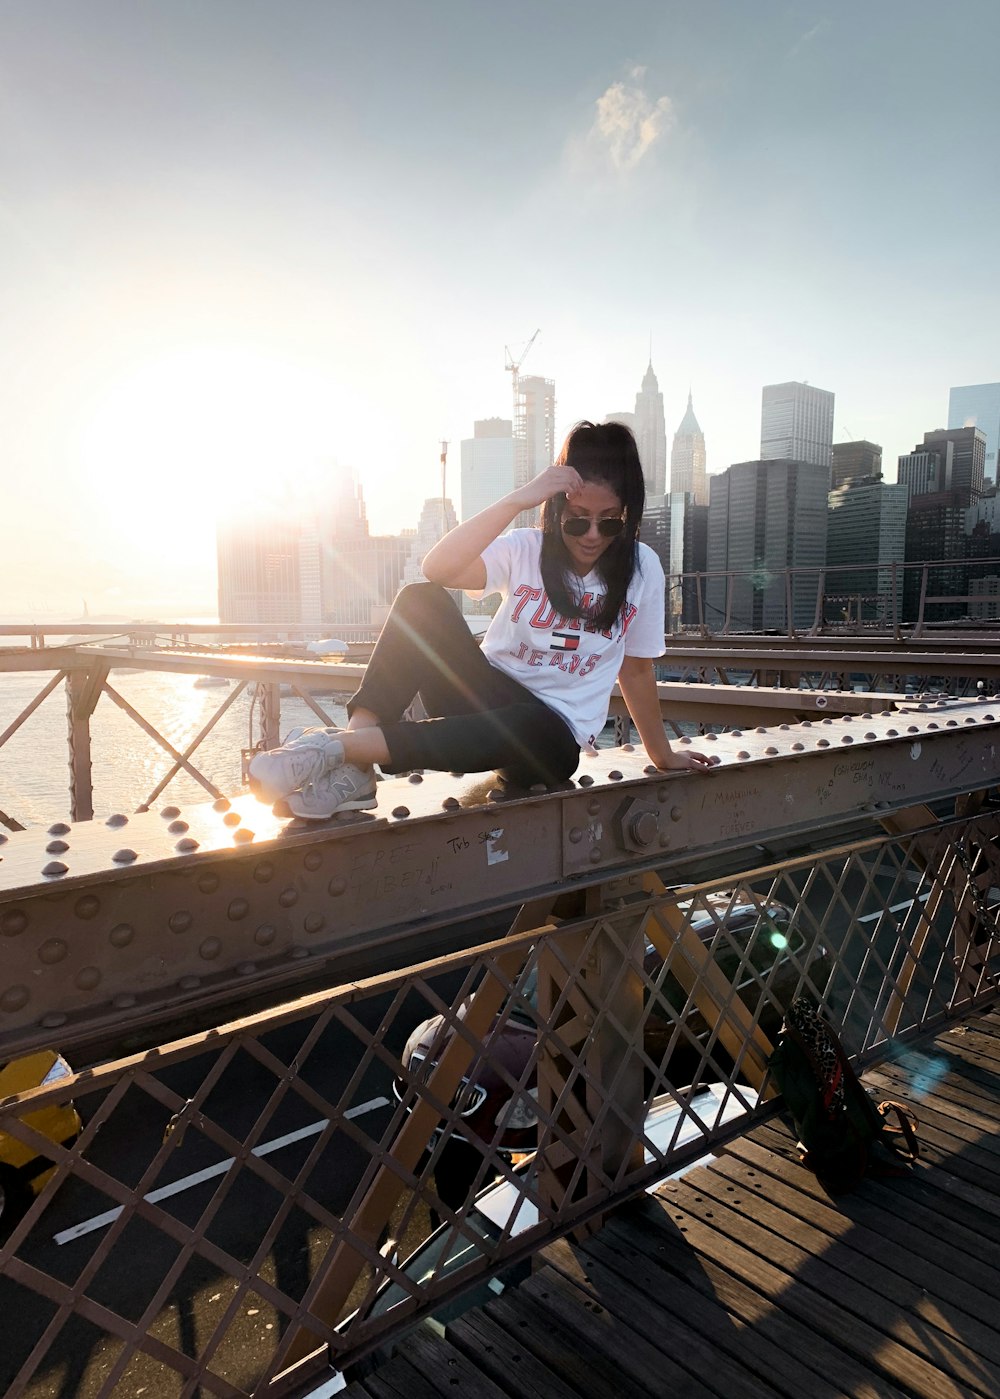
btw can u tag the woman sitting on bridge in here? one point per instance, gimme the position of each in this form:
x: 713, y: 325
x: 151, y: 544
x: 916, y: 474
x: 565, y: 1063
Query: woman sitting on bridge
x: 582, y: 606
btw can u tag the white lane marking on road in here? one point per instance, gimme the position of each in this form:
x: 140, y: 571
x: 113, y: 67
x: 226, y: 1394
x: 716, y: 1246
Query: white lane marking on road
x: 896, y: 908
x: 100, y: 1221
x: 331, y: 1386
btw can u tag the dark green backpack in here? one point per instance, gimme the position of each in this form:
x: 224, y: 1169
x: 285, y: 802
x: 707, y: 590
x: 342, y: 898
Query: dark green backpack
x: 843, y: 1135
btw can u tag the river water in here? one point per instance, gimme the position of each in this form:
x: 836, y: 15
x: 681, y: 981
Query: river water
x: 127, y: 764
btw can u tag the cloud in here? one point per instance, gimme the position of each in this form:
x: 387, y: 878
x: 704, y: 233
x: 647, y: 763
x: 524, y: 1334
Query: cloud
x: 629, y: 122
x: 808, y: 37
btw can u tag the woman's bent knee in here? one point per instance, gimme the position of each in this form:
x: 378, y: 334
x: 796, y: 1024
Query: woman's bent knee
x: 419, y: 597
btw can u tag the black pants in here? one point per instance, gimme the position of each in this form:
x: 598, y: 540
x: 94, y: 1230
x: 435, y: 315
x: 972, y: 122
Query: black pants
x: 481, y: 718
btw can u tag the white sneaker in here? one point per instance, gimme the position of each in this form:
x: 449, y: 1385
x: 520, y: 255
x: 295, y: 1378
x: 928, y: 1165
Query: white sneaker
x: 347, y: 788
x: 304, y: 757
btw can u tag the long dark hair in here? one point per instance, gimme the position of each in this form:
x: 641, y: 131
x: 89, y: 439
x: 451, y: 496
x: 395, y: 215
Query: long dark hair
x: 604, y: 452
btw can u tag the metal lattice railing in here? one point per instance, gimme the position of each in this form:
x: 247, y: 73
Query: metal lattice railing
x: 237, y: 1199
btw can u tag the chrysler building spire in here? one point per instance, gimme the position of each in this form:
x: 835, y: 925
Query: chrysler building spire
x: 687, y: 458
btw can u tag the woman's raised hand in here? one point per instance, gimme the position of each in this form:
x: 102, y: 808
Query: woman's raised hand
x: 552, y: 481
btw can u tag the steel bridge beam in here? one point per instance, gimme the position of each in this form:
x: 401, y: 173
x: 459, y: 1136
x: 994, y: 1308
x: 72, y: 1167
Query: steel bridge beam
x: 110, y: 924
x: 803, y: 656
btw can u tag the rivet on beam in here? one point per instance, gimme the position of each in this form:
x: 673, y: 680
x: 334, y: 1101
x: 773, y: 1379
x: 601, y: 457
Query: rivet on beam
x: 124, y: 857
x: 119, y: 819
x: 59, y: 829
x: 56, y: 847
x: 54, y: 868
x: 169, y: 812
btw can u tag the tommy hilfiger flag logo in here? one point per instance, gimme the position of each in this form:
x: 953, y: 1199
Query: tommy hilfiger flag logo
x: 564, y: 641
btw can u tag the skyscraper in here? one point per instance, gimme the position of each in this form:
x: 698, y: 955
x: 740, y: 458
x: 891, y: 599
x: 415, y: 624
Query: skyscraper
x: 534, y: 432
x: 663, y: 529
x: 687, y: 458
x: 935, y: 534
x: 487, y: 465
x: 361, y: 576
x: 436, y: 519
x: 796, y: 424
x: 978, y: 405
x: 765, y: 517
x: 853, y: 461
x: 651, y: 433
x: 948, y: 459
x: 866, y: 527
x: 262, y: 567
x: 944, y: 477
x: 675, y: 529
x: 966, y: 448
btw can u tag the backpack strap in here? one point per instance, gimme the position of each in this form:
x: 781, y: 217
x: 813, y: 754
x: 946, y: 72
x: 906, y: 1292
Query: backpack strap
x: 908, y: 1125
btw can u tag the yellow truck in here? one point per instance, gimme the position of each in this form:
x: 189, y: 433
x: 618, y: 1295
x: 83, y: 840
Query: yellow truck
x: 23, y: 1169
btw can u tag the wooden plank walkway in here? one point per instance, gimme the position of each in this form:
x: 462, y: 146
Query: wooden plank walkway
x: 743, y: 1280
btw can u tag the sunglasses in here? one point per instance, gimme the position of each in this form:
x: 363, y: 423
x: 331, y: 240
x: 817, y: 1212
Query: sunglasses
x: 579, y: 524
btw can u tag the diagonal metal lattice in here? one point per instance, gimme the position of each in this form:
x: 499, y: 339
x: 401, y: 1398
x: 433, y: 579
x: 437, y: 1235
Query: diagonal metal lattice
x: 241, y: 1199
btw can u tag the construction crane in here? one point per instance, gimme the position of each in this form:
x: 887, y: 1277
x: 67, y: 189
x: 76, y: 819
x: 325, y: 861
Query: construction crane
x: 514, y: 365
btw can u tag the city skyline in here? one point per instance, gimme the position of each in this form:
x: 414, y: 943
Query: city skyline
x: 236, y: 250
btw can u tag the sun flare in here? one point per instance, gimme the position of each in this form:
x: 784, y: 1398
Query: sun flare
x: 220, y: 429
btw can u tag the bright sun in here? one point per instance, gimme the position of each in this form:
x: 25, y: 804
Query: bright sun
x: 208, y: 427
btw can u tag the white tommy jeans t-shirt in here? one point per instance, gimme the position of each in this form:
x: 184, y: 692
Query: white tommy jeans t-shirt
x: 567, y: 662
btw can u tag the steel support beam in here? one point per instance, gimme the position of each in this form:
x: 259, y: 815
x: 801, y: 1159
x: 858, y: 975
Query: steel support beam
x: 141, y: 918
x: 83, y: 690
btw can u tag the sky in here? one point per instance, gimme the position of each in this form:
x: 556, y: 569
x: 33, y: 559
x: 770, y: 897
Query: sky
x: 246, y: 243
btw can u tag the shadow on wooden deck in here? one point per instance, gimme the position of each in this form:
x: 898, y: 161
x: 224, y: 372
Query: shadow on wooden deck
x: 744, y: 1279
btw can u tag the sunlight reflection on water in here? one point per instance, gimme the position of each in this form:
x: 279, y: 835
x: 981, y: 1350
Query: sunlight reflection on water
x: 127, y: 764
